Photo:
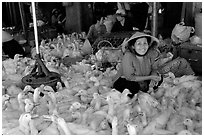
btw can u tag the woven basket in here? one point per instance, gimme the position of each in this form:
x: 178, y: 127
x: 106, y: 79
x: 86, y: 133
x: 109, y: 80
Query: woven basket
x: 108, y: 52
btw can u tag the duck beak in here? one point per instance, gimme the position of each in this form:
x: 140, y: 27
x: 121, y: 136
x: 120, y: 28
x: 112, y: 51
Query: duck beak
x: 78, y: 94
x: 11, y: 97
x: 37, y: 104
x: 34, y: 116
x: 47, y: 118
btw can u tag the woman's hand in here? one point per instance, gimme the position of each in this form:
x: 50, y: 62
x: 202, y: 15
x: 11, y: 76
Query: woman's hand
x: 155, y: 78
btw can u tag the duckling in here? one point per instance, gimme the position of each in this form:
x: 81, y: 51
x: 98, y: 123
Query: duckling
x: 48, y: 88
x: 94, y: 123
x: 29, y: 105
x: 61, y: 122
x: 189, y: 124
x: 28, y: 88
x: 14, y: 90
x: 77, y: 116
x: 5, y: 100
x: 162, y: 132
x: 65, y: 81
x: 104, y: 125
x: 59, y: 86
x: 162, y: 119
x: 11, y: 102
x: 53, y: 128
x: 96, y: 101
x: 21, y: 97
x: 111, y: 106
x: 114, y: 124
x: 124, y: 96
x: 184, y: 132
x: 94, y: 79
x: 36, y: 94
x: 23, y: 128
x: 41, y: 108
x: 175, y: 123
x: 84, y: 96
x: 52, y: 97
x: 75, y: 106
x: 86, y: 115
x: 143, y: 118
x: 132, y: 129
x: 77, y: 129
x: 184, y: 78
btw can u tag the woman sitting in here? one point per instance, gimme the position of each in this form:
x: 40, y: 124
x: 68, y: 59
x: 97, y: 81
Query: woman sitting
x: 142, y: 64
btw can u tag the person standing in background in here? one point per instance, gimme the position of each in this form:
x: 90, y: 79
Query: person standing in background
x: 56, y: 20
x: 96, y: 30
x: 123, y: 23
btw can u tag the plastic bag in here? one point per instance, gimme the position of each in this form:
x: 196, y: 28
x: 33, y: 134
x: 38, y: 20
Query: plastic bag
x: 181, y: 33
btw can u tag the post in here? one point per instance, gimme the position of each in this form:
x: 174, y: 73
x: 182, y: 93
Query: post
x: 35, y: 28
x: 154, y: 20
x: 22, y: 14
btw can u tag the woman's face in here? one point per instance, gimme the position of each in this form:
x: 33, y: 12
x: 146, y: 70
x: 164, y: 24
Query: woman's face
x: 141, y: 46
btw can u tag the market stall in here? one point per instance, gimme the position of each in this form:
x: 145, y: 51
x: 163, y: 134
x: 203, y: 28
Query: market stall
x: 74, y: 95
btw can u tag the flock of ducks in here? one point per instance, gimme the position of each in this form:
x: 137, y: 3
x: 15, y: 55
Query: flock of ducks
x: 87, y: 105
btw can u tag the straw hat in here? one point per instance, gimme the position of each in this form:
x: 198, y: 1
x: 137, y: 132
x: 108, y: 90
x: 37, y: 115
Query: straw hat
x: 140, y: 35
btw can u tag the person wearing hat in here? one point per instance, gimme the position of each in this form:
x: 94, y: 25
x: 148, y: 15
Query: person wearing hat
x: 57, y: 21
x: 136, y: 70
x: 10, y: 46
x: 123, y: 23
x: 139, y: 66
x: 55, y: 14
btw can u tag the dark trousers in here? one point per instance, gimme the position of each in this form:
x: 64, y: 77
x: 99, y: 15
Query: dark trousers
x: 12, y: 47
x: 133, y: 86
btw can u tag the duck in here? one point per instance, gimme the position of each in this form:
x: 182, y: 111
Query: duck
x: 74, y: 129
x: 5, y: 100
x: 86, y: 115
x: 143, y: 117
x: 114, y: 124
x: 41, y: 108
x: 124, y: 96
x: 29, y: 105
x: 28, y: 88
x: 189, y: 124
x: 53, y: 128
x: 104, y: 126
x: 77, y: 116
x: 96, y: 101
x: 184, y: 78
x: 84, y: 96
x: 59, y: 86
x: 14, y: 90
x: 36, y: 94
x: 111, y: 106
x: 184, y: 132
x: 175, y: 123
x: 162, y: 119
x: 23, y: 128
x: 21, y: 97
x: 75, y: 106
x: 132, y: 129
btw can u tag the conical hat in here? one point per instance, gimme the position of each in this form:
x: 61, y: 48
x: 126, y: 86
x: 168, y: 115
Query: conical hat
x: 140, y: 35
